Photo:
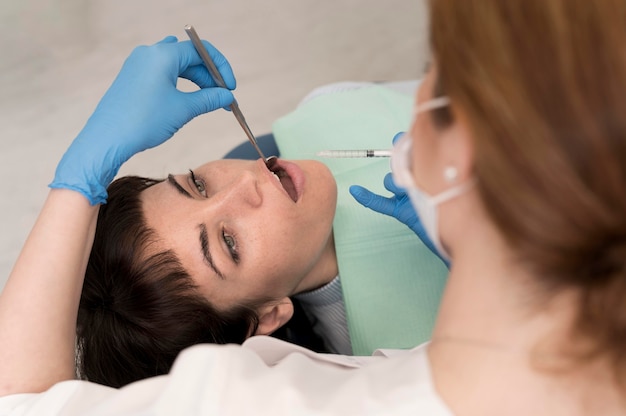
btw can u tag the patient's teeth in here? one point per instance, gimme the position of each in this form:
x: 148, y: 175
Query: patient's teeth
x: 276, y: 176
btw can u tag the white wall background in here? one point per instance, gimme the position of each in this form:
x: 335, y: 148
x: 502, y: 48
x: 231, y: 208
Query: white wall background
x: 57, y: 58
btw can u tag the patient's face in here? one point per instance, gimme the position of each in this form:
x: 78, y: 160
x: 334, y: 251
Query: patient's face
x: 240, y: 232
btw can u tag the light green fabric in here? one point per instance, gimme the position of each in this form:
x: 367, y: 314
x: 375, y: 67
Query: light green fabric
x: 392, y: 283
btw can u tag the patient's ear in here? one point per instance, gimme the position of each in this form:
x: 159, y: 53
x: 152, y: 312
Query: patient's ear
x: 274, y: 315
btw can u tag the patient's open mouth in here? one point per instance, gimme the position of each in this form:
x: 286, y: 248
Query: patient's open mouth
x: 285, y: 180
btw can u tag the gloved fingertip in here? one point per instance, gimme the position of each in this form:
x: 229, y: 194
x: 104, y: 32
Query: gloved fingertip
x: 372, y: 200
x: 397, y: 137
x: 224, y: 96
x: 228, y: 98
x: 225, y: 99
x: 391, y: 186
x: 362, y: 195
x: 169, y: 39
x: 231, y: 82
x: 222, y: 65
x: 355, y: 190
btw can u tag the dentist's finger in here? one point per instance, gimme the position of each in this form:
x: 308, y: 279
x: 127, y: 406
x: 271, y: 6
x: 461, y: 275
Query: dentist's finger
x: 372, y: 201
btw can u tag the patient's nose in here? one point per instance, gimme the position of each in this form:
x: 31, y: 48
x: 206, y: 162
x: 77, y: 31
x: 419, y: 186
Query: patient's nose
x: 243, y: 190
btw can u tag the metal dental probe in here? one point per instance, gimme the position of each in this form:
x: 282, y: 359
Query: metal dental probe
x: 234, y: 107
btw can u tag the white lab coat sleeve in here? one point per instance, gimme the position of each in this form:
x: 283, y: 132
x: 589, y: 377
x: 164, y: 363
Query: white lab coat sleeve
x: 235, y: 380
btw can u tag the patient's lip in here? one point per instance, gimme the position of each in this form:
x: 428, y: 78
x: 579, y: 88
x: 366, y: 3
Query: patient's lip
x: 296, y: 176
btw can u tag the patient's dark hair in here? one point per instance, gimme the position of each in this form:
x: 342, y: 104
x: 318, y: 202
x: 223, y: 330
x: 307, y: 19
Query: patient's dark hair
x: 137, y: 310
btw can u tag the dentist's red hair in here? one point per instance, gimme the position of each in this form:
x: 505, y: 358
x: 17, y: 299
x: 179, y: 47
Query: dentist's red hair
x: 542, y: 85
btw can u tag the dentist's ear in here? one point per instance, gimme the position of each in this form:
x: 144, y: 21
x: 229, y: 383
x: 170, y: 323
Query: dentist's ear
x: 456, y: 152
x: 274, y: 315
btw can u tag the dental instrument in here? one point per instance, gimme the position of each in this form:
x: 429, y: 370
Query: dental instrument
x: 234, y: 107
x: 354, y: 153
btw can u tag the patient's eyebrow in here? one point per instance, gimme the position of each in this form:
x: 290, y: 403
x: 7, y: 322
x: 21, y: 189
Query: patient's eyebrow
x: 204, y: 244
x: 172, y: 181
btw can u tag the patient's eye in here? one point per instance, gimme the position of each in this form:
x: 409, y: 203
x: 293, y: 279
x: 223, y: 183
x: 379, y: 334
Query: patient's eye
x: 231, y: 242
x: 198, y: 183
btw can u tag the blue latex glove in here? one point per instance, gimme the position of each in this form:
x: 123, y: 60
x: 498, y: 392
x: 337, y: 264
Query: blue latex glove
x: 398, y: 206
x: 141, y: 110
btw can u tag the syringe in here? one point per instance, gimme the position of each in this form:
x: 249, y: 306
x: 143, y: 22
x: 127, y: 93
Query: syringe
x: 354, y: 153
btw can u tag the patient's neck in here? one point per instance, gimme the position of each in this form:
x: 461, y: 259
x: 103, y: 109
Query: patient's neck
x: 324, y: 271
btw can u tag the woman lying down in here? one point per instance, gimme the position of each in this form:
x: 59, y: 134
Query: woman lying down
x: 213, y: 255
x: 216, y: 255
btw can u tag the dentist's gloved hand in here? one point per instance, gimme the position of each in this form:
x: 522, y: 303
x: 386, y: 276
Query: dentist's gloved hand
x: 398, y: 206
x: 141, y: 110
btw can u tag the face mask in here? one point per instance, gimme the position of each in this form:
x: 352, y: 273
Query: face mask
x: 425, y: 205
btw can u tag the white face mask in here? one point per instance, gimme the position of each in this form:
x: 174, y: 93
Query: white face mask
x: 425, y: 205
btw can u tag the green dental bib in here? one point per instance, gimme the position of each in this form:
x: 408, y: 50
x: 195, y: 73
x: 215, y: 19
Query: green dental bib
x: 392, y: 283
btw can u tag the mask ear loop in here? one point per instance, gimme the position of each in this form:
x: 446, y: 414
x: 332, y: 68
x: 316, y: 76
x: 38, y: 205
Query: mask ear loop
x: 399, y: 160
x: 432, y: 104
x: 452, y: 192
